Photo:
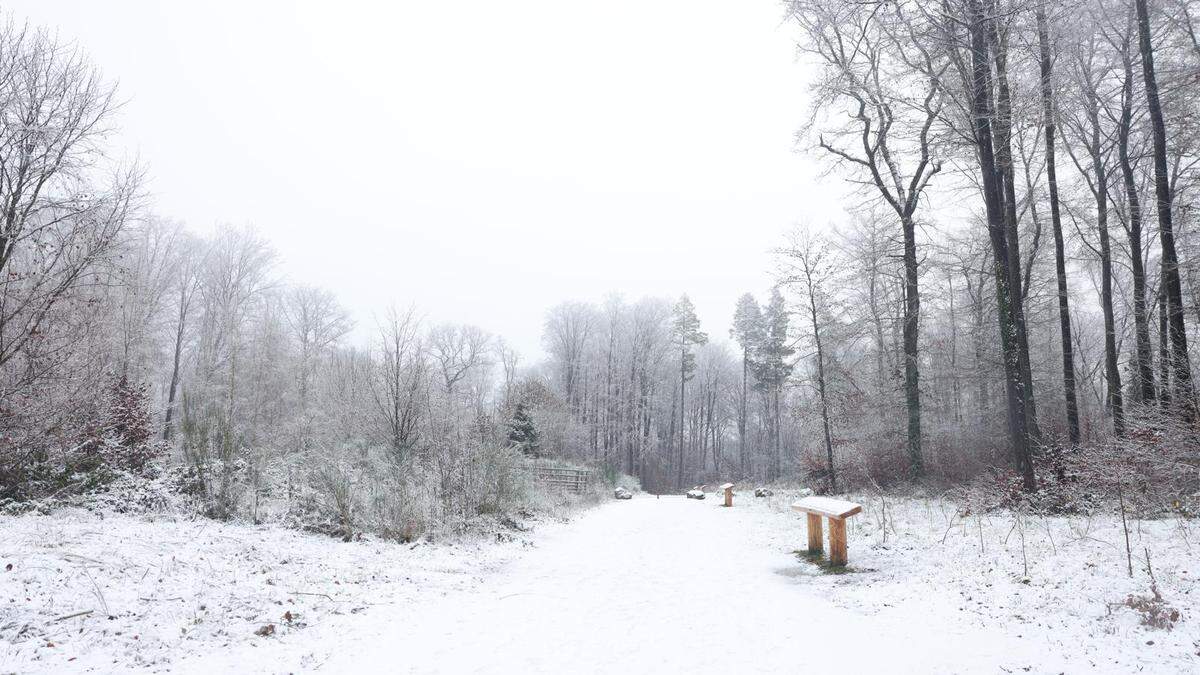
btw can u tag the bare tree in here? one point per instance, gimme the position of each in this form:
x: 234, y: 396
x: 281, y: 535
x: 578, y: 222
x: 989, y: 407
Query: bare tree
x: 1184, y: 395
x: 1049, y: 123
x: 317, y: 322
x: 881, y: 65
x: 568, y: 328
x: 457, y: 350
x: 187, y: 277
x: 1092, y: 74
x: 399, y: 387
x: 805, y: 261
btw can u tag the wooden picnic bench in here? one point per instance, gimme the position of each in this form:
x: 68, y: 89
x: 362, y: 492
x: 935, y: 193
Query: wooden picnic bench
x: 837, y: 511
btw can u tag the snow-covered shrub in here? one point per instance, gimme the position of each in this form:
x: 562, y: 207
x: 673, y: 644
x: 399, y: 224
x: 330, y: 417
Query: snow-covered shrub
x: 400, y: 504
x: 614, y: 478
x: 103, y: 438
x: 335, y: 490
x: 1153, y: 470
x: 119, y: 439
x: 502, y: 483
x: 218, y: 469
x: 1153, y: 611
x: 153, y: 490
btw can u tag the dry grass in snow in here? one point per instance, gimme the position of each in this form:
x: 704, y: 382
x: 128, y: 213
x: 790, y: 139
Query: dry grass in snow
x: 92, y: 593
x: 1062, y: 582
x: 80, y: 591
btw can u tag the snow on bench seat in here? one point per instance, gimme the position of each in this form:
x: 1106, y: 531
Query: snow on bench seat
x: 826, y: 506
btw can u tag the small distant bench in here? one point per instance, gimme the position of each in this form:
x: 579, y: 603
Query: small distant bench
x: 728, y: 490
x: 837, y: 511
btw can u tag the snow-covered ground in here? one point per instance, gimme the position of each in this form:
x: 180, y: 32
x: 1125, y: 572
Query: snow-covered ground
x: 163, y: 592
x: 641, y: 586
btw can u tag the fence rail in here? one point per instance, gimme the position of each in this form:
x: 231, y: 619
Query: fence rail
x: 571, y: 480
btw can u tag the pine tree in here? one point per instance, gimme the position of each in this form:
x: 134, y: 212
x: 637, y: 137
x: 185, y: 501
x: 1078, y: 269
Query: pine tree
x: 747, y: 330
x: 522, y: 433
x: 120, y: 436
x: 772, y: 368
x: 686, y: 334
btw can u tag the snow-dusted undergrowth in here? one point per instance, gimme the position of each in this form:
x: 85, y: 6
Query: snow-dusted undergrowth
x: 150, y: 592
x: 1062, y: 582
x: 201, y: 596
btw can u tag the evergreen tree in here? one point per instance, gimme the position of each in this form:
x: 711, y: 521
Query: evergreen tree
x: 686, y: 334
x: 522, y: 433
x: 772, y: 368
x: 747, y: 331
x: 121, y: 436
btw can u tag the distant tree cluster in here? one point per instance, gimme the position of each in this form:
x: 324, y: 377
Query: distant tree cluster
x: 648, y: 393
x: 130, y: 346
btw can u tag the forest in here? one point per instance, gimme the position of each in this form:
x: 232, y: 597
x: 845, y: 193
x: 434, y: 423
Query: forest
x: 1007, y: 304
x: 979, y: 373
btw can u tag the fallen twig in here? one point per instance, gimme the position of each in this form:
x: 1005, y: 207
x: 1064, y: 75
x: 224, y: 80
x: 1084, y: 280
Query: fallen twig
x: 319, y: 595
x: 72, y: 616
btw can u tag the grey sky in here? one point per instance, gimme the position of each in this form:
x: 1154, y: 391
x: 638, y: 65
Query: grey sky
x: 483, y: 160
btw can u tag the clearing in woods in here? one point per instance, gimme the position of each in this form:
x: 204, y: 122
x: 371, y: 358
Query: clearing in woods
x: 666, y: 585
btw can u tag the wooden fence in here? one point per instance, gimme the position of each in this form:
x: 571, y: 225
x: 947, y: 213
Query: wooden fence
x: 571, y: 480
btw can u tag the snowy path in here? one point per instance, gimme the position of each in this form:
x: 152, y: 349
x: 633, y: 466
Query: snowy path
x: 663, y: 585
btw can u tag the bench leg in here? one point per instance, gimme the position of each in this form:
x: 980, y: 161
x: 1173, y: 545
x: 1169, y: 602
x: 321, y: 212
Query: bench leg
x: 837, y: 541
x: 816, y: 538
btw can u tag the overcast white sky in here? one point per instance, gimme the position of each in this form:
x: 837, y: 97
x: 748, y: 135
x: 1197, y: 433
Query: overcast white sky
x: 481, y: 159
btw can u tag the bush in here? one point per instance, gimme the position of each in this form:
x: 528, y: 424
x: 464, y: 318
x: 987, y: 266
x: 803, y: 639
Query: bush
x: 100, y: 440
x: 614, y: 478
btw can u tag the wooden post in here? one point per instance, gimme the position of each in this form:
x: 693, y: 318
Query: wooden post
x: 728, y: 488
x: 816, y: 538
x: 837, y: 541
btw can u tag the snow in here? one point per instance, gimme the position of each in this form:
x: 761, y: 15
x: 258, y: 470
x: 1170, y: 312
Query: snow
x: 163, y: 590
x: 836, y: 508
x: 664, y: 585
x: 640, y: 586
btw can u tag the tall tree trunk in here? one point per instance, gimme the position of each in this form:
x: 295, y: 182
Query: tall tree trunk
x: 982, y: 397
x: 180, y: 328
x: 742, y: 420
x: 812, y: 305
x: 912, y: 389
x: 778, y: 452
x: 1002, y: 148
x: 1184, y: 396
x: 1164, y: 348
x: 682, y: 437
x: 671, y: 454
x: 954, y: 379
x: 1060, y: 264
x: 1144, y: 372
x: 979, y: 27
x: 1114, y: 397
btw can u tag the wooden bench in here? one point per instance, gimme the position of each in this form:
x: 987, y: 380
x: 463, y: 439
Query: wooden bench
x: 837, y: 511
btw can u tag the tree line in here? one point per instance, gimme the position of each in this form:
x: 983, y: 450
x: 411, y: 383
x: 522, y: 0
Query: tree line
x: 1010, y: 289
x: 133, y: 349
x: 1017, y: 263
